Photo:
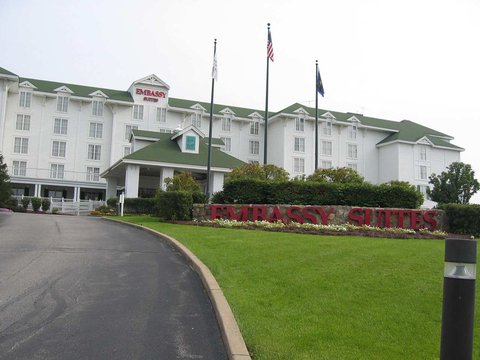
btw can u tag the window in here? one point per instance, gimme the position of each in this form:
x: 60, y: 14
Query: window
x: 25, y: 99
x: 253, y: 161
x: 23, y: 122
x: 20, y: 145
x: 93, y: 173
x: 327, y: 128
x: 59, y: 148
x: 326, y: 148
x: 298, y: 165
x: 196, y: 119
x: 423, y: 153
x: 326, y: 164
x: 165, y: 131
x: 57, y: 171
x: 226, y: 123
x: 352, y: 151
x: 19, y: 168
x: 299, y: 144
x: 190, y: 143
x: 94, y: 152
x: 352, y: 166
x: 300, y: 124
x: 96, y: 130
x: 138, y: 112
x: 353, y: 132
x: 128, y: 131
x: 97, y: 108
x: 253, y: 147
x: 228, y: 143
x: 161, y: 114
x: 60, y: 126
x: 62, y: 103
x: 127, y: 150
x: 254, y: 125
x: 423, y: 172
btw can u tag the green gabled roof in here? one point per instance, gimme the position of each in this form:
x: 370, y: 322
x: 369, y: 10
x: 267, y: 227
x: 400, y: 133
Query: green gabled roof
x: 147, y: 134
x: 79, y: 90
x: 411, y: 132
x: 4, y: 71
x: 239, y: 111
x: 167, y: 151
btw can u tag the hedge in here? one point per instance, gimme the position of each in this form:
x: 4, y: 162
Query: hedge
x: 140, y: 206
x: 174, y: 205
x: 463, y: 219
x: 316, y: 193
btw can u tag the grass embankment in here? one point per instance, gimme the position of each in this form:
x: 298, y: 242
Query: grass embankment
x: 325, y: 297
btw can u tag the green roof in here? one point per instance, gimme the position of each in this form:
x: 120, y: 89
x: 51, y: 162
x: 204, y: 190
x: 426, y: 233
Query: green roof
x: 4, y: 71
x: 79, y: 90
x: 167, y: 151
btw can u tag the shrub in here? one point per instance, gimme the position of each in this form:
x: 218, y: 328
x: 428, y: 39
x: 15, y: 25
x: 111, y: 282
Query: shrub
x: 11, y: 203
x: 55, y: 210
x: 45, y: 204
x: 25, y: 202
x: 139, y: 206
x: 199, y: 198
x: 112, y: 202
x: 463, y: 219
x: 36, y: 203
x: 174, y: 205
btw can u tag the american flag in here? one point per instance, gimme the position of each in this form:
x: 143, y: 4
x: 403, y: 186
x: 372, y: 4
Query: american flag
x: 270, y: 46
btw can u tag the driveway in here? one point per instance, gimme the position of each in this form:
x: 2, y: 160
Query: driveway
x: 84, y: 288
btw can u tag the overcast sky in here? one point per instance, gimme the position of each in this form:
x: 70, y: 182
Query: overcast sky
x: 392, y: 59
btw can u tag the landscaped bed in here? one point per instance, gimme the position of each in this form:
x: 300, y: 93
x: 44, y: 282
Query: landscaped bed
x: 298, y: 296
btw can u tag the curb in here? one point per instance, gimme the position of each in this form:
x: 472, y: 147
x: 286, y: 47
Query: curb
x: 232, y: 338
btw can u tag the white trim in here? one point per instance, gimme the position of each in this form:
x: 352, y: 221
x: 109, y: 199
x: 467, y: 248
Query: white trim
x: 63, y: 88
x: 27, y: 85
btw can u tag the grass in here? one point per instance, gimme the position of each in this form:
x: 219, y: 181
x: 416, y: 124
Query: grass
x: 301, y: 296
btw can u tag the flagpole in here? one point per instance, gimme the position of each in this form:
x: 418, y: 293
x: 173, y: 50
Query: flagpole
x: 316, y: 115
x: 209, y: 160
x: 266, y: 107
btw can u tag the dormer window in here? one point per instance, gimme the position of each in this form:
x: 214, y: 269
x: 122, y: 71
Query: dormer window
x: 227, y: 122
x: 196, y: 119
x: 97, y: 108
x: 254, y: 126
x: 327, y: 128
x: 62, y: 103
x: 300, y: 123
x: 353, y: 132
x: 190, y: 143
x: 423, y: 153
x: 25, y: 99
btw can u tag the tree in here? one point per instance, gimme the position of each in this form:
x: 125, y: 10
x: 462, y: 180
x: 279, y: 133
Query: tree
x: 259, y: 172
x: 182, y: 182
x: 455, y: 185
x: 337, y: 175
x: 5, y: 191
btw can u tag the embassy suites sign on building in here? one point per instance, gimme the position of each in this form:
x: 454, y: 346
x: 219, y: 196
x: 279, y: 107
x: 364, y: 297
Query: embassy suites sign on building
x: 326, y: 215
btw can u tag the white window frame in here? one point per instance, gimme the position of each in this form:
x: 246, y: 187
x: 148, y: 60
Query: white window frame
x: 227, y: 123
x: 20, y: 145
x: 196, y: 119
x: 352, y: 166
x: 423, y: 171
x: 423, y: 153
x: 300, y: 123
x: 327, y: 128
x: 25, y: 100
x: 254, y: 127
x: 299, y: 144
x: 127, y: 150
x: 228, y: 144
x: 97, y: 107
x: 62, y: 103
x: 352, y: 133
x: 298, y: 165
x: 95, y: 130
x: 326, y: 164
x: 57, y: 171
x: 60, y: 126
x: 253, y: 147
x: 59, y: 148
x: 94, y: 152
x: 161, y: 115
x: 93, y: 173
x: 23, y: 122
x: 128, y: 130
x: 352, y: 151
x: 137, y: 112
x: 19, y: 168
x: 326, y: 148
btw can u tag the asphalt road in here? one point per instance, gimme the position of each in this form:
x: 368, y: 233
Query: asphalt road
x: 84, y: 288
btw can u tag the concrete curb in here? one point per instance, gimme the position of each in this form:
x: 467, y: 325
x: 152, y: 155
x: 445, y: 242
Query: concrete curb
x: 232, y: 338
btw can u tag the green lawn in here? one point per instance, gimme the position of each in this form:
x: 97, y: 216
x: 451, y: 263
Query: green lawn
x: 325, y: 297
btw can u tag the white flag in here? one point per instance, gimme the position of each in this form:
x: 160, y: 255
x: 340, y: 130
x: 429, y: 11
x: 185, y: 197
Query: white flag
x: 214, y: 67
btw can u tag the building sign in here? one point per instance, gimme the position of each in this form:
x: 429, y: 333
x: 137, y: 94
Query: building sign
x: 329, y: 215
x: 151, y: 93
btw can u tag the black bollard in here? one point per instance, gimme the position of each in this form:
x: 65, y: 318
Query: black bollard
x: 458, y: 299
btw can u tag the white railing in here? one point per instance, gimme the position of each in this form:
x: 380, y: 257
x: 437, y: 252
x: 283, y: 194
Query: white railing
x: 68, y: 206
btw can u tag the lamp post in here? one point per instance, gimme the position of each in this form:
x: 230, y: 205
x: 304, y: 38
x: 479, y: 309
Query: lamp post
x: 458, y: 299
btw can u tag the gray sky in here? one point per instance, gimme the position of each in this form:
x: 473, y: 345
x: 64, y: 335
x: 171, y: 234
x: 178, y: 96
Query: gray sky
x: 392, y: 59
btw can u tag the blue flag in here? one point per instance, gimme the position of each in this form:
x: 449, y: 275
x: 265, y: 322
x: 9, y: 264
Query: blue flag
x: 319, y: 84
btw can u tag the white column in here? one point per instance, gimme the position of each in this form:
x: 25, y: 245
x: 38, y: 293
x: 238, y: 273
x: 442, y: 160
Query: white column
x: 132, y: 177
x: 165, y: 173
x: 76, y: 193
x: 216, y: 182
x: 38, y: 190
x: 3, y: 110
x: 111, y: 187
x: 113, y: 138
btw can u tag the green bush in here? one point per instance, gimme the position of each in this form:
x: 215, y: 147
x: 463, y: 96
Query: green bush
x: 174, y: 205
x: 463, y: 219
x: 55, y: 210
x: 139, y: 206
x: 199, y: 198
x: 45, y: 204
x: 12, y: 204
x: 36, y: 203
x: 112, y: 202
x: 25, y: 202
x: 318, y: 193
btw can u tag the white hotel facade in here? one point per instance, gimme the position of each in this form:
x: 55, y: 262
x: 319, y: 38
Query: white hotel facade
x: 71, y: 141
